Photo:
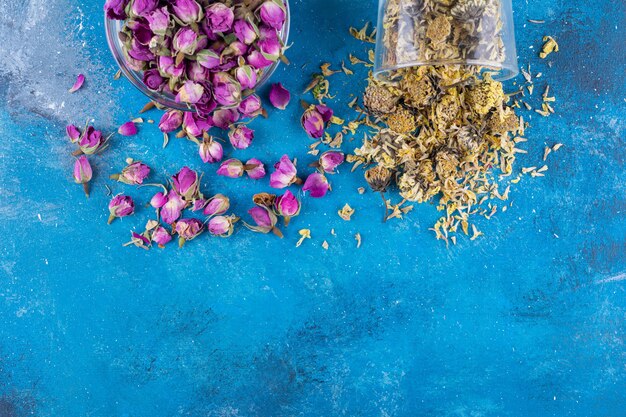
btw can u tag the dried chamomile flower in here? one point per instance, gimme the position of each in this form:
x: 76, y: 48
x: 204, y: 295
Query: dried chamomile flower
x: 438, y: 29
x: 501, y: 122
x: 378, y: 178
x: 549, y: 46
x: 401, y: 121
x: 419, y: 90
x: 379, y: 100
x: 485, y: 95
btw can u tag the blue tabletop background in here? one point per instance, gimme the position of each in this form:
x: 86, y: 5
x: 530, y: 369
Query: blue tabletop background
x: 527, y: 321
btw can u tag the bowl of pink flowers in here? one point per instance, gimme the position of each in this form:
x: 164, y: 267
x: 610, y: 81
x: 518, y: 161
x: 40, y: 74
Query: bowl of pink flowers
x: 199, y: 56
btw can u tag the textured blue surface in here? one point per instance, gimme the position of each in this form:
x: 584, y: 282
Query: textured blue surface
x: 520, y: 323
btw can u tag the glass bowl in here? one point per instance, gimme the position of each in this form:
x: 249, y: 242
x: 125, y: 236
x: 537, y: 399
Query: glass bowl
x: 113, y: 27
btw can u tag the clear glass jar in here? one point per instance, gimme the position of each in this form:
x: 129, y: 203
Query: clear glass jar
x: 478, y: 33
x: 113, y: 27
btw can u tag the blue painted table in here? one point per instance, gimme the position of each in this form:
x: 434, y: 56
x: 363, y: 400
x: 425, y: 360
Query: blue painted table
x: 528, y: 321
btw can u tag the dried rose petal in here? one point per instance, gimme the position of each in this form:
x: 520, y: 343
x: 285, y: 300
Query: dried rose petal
x: 133, y: 174
x: 173, y: 209
x: 120, y: 206
x: 198, y: 204
x: 231, y: 168
x: 284, y: 174
x: 158, y: 200
x: 127, y: 129
x: 255, y: 169
x: 330, y: 160
x: 317, y: 185
x: 279, y: 96
x: 139, y: 240
x: 80, y: 80
x: 161, y: 236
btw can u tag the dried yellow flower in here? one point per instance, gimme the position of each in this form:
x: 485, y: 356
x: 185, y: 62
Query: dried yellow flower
x: 401, y: 121
x: 346, y: 212
x: 379, y: 100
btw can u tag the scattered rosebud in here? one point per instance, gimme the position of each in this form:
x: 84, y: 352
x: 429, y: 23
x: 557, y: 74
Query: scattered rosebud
x: 83, y: 173
x: 173, y: 208
x: 187, y: 11
x: 241, y: 136
x: 315, y: 119
x: 72, y: 133
x: 161, y: 236
x: 91, y: 141
x: 219, y: 18
x: 284, y: 174
x: 133, y: 174
x: 211, y: 151
x: 255, y: 169
x: 186, y: 183
x: 273, y: 13
x: 120, y: 206
x: 279, y: 96
x: 317, y: 185
x: 222, y: 226
x: 264, y: 199
x: 265, y: 221
x: 188, y: 229
x: 170, y: 121
x: 231, y: 168
x: 127, y: 129
x: 330, y: 160
x: 158, y: 200
x: 80, y: 80
x: 217, y: 205
x: 287, y: 205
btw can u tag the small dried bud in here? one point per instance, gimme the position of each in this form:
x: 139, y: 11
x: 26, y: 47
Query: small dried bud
x: 161, y: 236
x: 379, y: 100
x: 188, y: 229
x: 217, y: 205
x: 401, y: 121
x: 231, y: 168
x: 120, y: 206
x: 284, y: 174
x: 378, y: 178
x: 485, y: 96
x: 186, y: 183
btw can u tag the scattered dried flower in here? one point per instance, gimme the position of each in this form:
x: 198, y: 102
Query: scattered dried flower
x: 255, y: 169
x: 80, y: 80
x: 127, y: 129
x: 346, y: 212
x: 133, y: 174
x: 279, y: 96
x: 231, y: 168
x: 120, y: 206
x: 285, y: 173
x: 83, y: 173
x: 317, y: 185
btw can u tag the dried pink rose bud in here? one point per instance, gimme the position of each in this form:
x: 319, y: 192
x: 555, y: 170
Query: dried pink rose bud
x: 250, y: 106
x: 255, y: 169
x: 91, y: 141
x: 208, y: 59
x: 186, y: 183
x: 264, y: 219
x: 194, y: 125
x: 241, y: 136
x: 226, y: 90
x: 159, y: 21
x: 211, y: 151
x: 188, y: 229
x: 330, y: 160
x: 161, y: 236
x: 219, y: 18
x: 258, y: 61
x: 134, y: 173
x: 279, y: 96
x: 198, y: 204
x: 222, y: 226
x: 187, y: 11
x: 72, y: 133
x: 245, y: 31
x: 247, y: 77
x: 314, y: 120
x: 127, y: 129
x: 270, y: 48
x: 231, y: 168
x: 187, y: 41
x: 80, y: 80
x: 120, y: 206
x: 170, y: 121
x: 287, y: 205
x: 273, y: 13
x: 317, y: 185
x: 217, y: 205
x: 142, y: 7
x: 197, y: 73
x: 158, y: 200
x: 168, y: 68
x: 190, y: 92
x: 223, y: 118
x: 115, y: 9
x: 284, y: 174
x: 83, y: 173
x: 173, y: 209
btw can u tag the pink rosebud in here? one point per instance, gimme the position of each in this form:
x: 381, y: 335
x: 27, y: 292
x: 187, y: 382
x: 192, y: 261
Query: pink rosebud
x: 258, y: 61
x: 219, y: 18
x: 73, y: 133
x: 255, y: 169
x: 208, y: 59
x: 222, y: 226
x: 80, y: 80
x: 168, y: 68
x: 241, y: 136
x: 330, y: 160
x: 188, y: 229
x: 134, y: 173
x: 161, y: 236
x: 270, y: 48
x: 170, y: 121
x: 272, y: 13
x: 190, y: 92
x: 250, y: 106
x: 217, y: 205
x: 314, y: 120
x: 211, y: 151
x: 120, y: 206
x: 226, y: 90
x: 287, y: 205
x: 231, y: 168
x: 325, y: 111
x: 279, y: 96
x: 83, y: 172
x: 140, y: 52
x: 158, y: 200
x: 127, y: 129
x: 186, y: 183
x: 115, y: 9
x: 91, y: 141
x: 264, y: 219
x: 159, y: 21
x: 284, y: 174
x: 194, y: 125
x: 196, y: 72
x: 188, y: 41
x: 247, y: 77
x: 143, y: 7
x: 153, y: 80
x: 245, y: 31
x: 223, y: 118
x: 198, y: 204
x: 317, y: 185
x: 187, y: 11
x: 173, y: 209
